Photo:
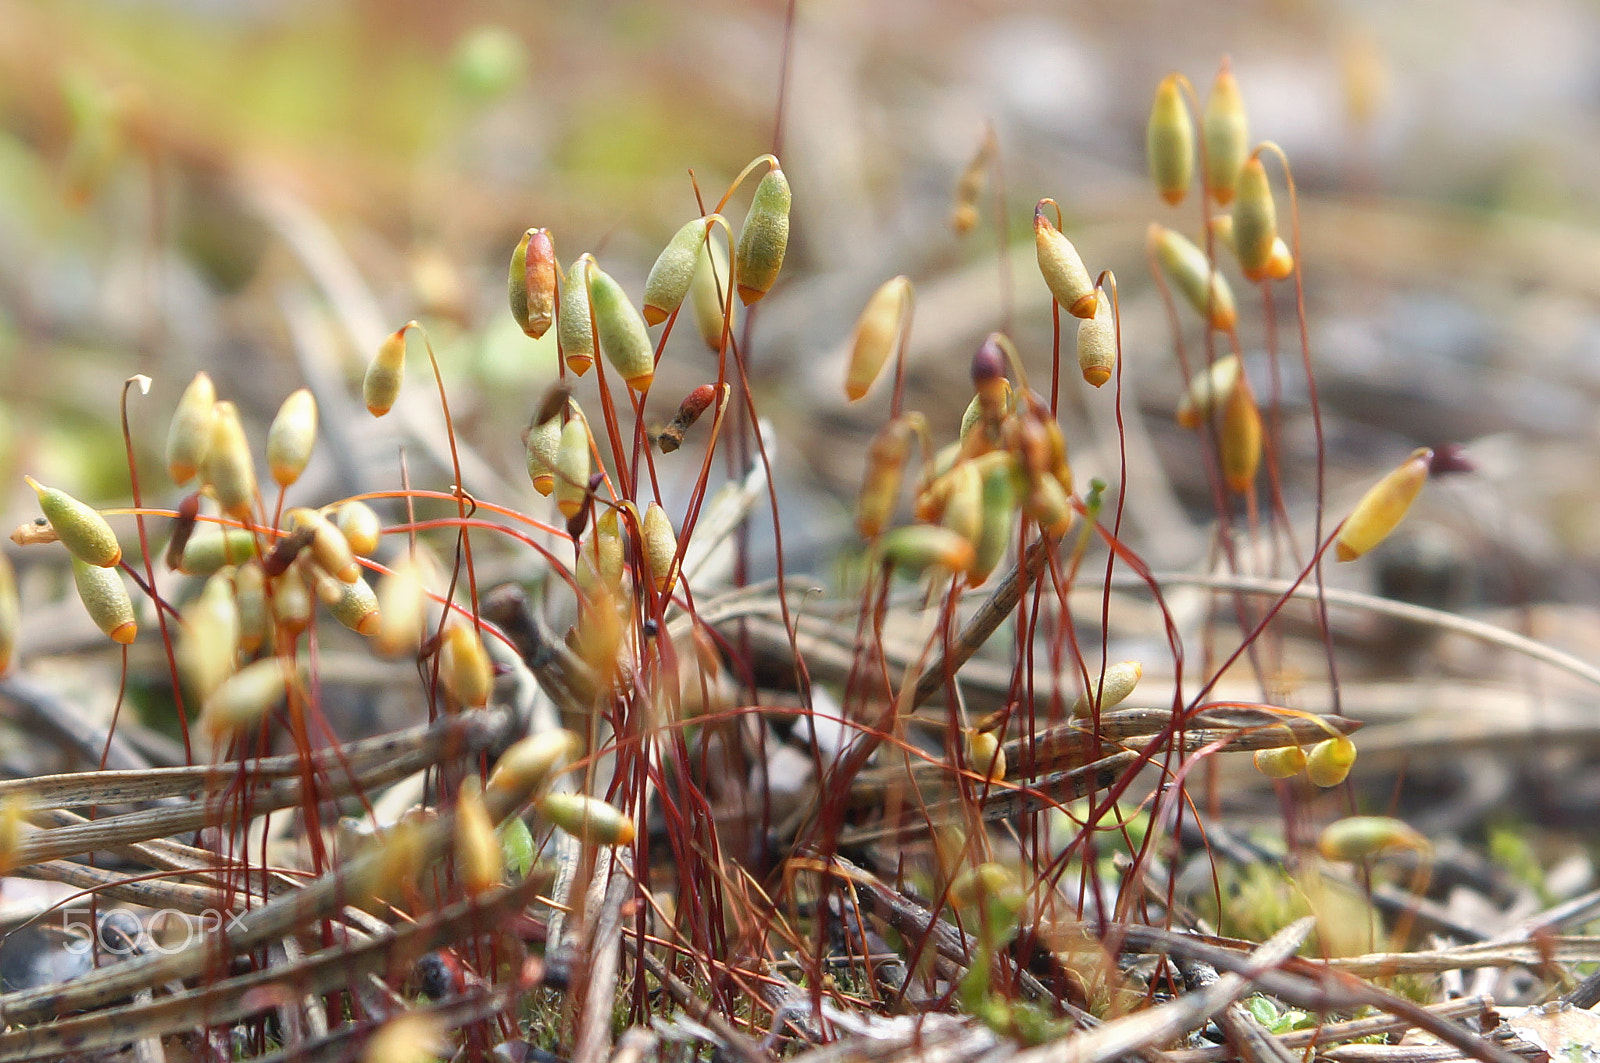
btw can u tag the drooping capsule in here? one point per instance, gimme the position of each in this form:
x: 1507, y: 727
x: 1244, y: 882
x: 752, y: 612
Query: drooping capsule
x: 359, y: 524
x: 1239, y: 438
x: 189, y: 435
x: 531, y: 282
x: 880, y: 486
x: 353, y: 604
x: 1169, y: 142
x: 291, y: 437
x: 1119, y: 682
x: 763, y: 238
x: 328, y: 545
x: 530, y: 762
x: 878, y: 330
x: 1255, y: 221
x: 230, y: 471
x: 1207, y: 391
x: 479, y: 860
x: 1062, y: 268
x: 540, y: 441
x: 1384, y: 506
x: 669, y: 278
x: 105, y: 597
x: 1225, y: 127
x: 587, y: 818
x: 915, y: 548
x: 1329, y: 761
x: 689, y: 410
x: 573, y: 329
x: 660, y: 547
x: 380, y: 388
x: 1097, y: 343
x: 80, y: 527
x: 464, y: 667
x: 1359, y: 837
x: 624, y: 340
x: 572, y: 467
x: 1281, y: 763
x: 711, y: 294
x: 1186, y: 267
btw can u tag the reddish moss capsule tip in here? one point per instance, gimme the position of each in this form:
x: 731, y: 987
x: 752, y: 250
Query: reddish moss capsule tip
x: 669, y: 278
x: 1062, y: 268
x: 531, y: 283
x: 763, y: 239
x: 573, y: 331
x: 1097, y: 343
x: 623, y: 337
x: 105, y: 598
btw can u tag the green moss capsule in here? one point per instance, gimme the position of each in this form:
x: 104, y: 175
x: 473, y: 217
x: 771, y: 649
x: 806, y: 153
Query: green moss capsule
x: 105, y: 597
x: 79, y: 526
x: 916, y: 548
x: 573, y: 329
x: 540, y: 442
x: 1186, y: 267
x: 531, y: 762
x: 189, y: 435
x: 673, y: 272
x: 572, y: 467
x: 710, y: 294
x: 764, y: 238
x: 624, y: 340
x: 211, y: 548
x: 291, y: 437
x: 355, y: 606
x: 587, y: 818
x: 1359, y: 837
x: 660, y: 547
x: 999, y: 514
x: 1255, y: 222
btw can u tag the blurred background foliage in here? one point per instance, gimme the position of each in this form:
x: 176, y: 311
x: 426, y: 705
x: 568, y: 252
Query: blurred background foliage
x: 175, y: 173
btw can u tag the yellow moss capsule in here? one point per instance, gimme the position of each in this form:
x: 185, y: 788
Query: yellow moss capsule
x: 587, y: 818
x: 540, y: 442
x: 359, y: 524
x: 660, y: 547
x: 250, y: 600
x: 880, y: 486
x: 531, y: 762
x: 669, y: 278
x: 1063, y: 270
x: 878, y: 329
x: 1120, y: 680
x: 1186, y: 267
x: 230, y: 471
x: 402, y: 608
x: 189, y: 435
x: 290, y: 599
x: 1255, y: 221
x: 479, y: 861
x: 531, y: 282
x: 1329, y: 762
x: 764, y: 238
x: 1169, y: 142
x: 10, y: 614
x: 13, y: 817
x: 1097, y: 343
x: 385, y: 373
x: 597, y: 636
x: 211, y: 548
x: 105, y: 597
x: 1384, y: 506
x: 709, y: 293
x: 916, y: 548
x: 328, y: 545
x: 999, y: 515
x: 1280, y: 260
x: 1282, y: 763
x: 624, y: 340
x: 963, y: 505
x: 1046, y: 503
x: 245, y: 697
x: 573, y: 329
x: 464, y: 667
x: 985, y: 755
x: 602, y: 560
x: 355, y: 606
x: 984, y: 883
x: 1358, y: 837
x: 1226, y: 129
x: 208, y: 640
x: 408, y: 1036
x: 572, y: 467
x: 80, y: 527
x: 1239, y: 439
x: 292, y: 435
x: 1207, y: 391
